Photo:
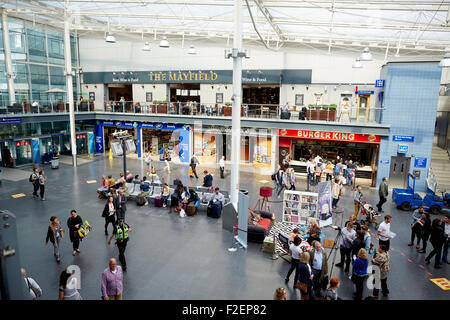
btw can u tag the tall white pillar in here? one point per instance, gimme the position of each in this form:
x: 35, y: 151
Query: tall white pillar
x: 69, y: 85
x: 7, y: 47
x: 236, y: 111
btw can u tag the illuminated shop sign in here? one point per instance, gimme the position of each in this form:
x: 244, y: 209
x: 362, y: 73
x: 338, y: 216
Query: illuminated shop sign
x: 272, y: 76
x: 333, y: 136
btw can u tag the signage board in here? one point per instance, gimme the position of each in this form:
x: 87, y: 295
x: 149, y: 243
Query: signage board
x: 10, y: 120
x: 365, y: 92
x: 403, y: 138
x: 385, y: 161
x: 420, y: 162
x: 402, y: 148
x: 379, y: 83
x: 333, y: 136
x: 272, y: 76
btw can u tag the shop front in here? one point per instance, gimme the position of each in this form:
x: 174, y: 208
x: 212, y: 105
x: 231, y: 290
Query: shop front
x: 109, y: 127
x: 300, y: 145
x: 211, y: 143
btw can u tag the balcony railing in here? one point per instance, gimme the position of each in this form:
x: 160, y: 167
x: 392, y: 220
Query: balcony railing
x: 258, y: 111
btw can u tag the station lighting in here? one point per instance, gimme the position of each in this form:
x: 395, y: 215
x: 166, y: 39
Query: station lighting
x: 110, y: 38
x: 445, y: 62
x: 366, y: 55
x: 192, y: 50
x: 146, y: 47
x: 357, y: 63
x: 164, y: 43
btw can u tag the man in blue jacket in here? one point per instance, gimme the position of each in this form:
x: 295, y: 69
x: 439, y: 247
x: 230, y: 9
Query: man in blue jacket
x: 208, y: 179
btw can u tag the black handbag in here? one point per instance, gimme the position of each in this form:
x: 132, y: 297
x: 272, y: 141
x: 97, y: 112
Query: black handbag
x: 324, y: 283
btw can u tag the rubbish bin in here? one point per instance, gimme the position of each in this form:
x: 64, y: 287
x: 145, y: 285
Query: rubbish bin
x: 244, y: 191
x: 55, y: 162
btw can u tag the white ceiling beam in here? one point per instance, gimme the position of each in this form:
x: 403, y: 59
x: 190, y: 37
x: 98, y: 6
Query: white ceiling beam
x: 278, y: 20
x: 341, y: 4
x: 269, y: 18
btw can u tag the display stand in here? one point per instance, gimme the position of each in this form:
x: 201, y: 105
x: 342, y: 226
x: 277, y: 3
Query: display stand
x: 299, y: 206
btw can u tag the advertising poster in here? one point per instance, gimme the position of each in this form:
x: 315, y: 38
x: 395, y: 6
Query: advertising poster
x: 324, y: 212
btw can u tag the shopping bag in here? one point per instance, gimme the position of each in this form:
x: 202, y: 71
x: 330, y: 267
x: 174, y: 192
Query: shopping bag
x: 191, y: 172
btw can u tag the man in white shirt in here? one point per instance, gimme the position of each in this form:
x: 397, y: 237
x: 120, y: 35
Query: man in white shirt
x: 33, y: 287
x: 318, y: 159
x: 319, y: 265
x: 222, y: 167
x: 310, y: 168
x: 384, y: 232
x: 148, y: 162
x: 348, y: 236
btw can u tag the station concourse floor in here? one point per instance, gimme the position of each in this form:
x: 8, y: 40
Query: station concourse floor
x: 169, y: 257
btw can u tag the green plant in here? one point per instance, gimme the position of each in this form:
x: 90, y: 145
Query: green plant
x: 228, y: 104
x: 60, y: 101
x: 85, y: 100
x: 24, y: 100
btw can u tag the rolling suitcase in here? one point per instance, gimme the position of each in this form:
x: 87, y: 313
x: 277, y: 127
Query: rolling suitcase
x: 190, y: 211
x: 214, y: 211
x: 158, y: 201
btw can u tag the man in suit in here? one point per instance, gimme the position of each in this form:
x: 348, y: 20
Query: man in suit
x: 121, y: 205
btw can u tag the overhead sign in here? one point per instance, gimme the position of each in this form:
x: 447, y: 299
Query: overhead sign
x: 379, y: 84
x: 403, y: 138
x: 420, y: 162
x: 384, y: 161
x: 273, y: 76
x: 12, y: 120
x: 333, y: 136
x: 364, y: 92
x: 402, y: 148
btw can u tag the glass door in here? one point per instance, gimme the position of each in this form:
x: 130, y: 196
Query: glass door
x: 22, y: 152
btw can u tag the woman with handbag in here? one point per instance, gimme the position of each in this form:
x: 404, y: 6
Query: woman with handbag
x: 74, y: 223
x: 54, y: 233
x: 33, y: 287
x: 360, y: 273
x: 336, y: 190
x: 381, y: 259
x: 109, y: 212
x: 305, y: 276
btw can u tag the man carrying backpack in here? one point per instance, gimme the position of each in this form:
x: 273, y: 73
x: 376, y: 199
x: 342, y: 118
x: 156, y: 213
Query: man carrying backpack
x: 34, y: 179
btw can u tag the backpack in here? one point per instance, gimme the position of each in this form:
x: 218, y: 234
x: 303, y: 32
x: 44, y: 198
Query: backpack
x: 140, y: 200
x: 31, y: 178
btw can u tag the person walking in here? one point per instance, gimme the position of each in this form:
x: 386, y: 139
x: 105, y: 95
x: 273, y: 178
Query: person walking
x: 222, y: 167
x: 120, y: 232
x: 284, y: 181
x: 121, y: 205
x: 34, y: 289
x: 42, y: 180
x: 295, y: 254
x: 383, y: 192
x: 437, y: 240
x: 425, y: 230
x: 305, y: 276
x: 357, y: 199
x: 382, y: 260
x: 336, y: 188
x: 167, y: 159
x: 193, y: 165
x: 447, y: 238
x: 109, y: 213
x: 112, y: 281
x: 360, y: 273
x: 416, y: 227
x: 384, y: 232
x: 319, y: 265
x: 345, y: 248
x: 292, y: 178
x: 276, y: 177
x: 310, y: 169
x: 74, y: 223
x: 34, y: 179
x: 165, y: 194
x: 55, y: 233
x: 148, y: 163
x: 68, y: 287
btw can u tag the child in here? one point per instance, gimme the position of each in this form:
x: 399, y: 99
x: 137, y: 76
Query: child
x: 180, y: 210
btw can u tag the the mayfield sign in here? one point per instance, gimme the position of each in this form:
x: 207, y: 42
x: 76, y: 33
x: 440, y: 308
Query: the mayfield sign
x: 332, y: 136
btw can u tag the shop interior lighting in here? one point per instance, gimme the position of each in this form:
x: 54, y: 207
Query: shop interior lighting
x: 164, y: 43
x: 357, y: 64
x: 445, y: 62
x: 146, y: 47
x: 366, y: 55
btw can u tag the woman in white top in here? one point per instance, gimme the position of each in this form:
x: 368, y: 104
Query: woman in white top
x: 68, y: 287
x: 295, y: 253
x: 148, y: 162
x: 33, y: 287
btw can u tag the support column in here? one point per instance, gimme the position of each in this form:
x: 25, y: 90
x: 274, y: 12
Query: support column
x: 236, y: 111
x: 69, y: 85
x: 7, y: 47
x: 274, y: 151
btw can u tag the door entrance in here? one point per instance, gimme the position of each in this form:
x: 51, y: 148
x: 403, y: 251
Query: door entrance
x: 363, y: 106
x: 398, y: 174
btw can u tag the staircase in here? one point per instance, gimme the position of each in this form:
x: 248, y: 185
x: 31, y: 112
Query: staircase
x: 440, y: 163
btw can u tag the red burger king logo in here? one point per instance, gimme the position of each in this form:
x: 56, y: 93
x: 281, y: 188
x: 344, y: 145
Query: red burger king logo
x: 372, y: 138
x: 283, y: 132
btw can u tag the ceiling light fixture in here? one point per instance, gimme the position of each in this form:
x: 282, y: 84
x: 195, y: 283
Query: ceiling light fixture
x: 146, y: 47
x: 192, y: 50
x: 445, y: 62
x: 366, y: 55
x: 357, y: 64
x: 164, y: 43
x: 110, y: 38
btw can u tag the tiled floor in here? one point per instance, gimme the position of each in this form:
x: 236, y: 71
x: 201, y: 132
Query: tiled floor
x: 173, y: 258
